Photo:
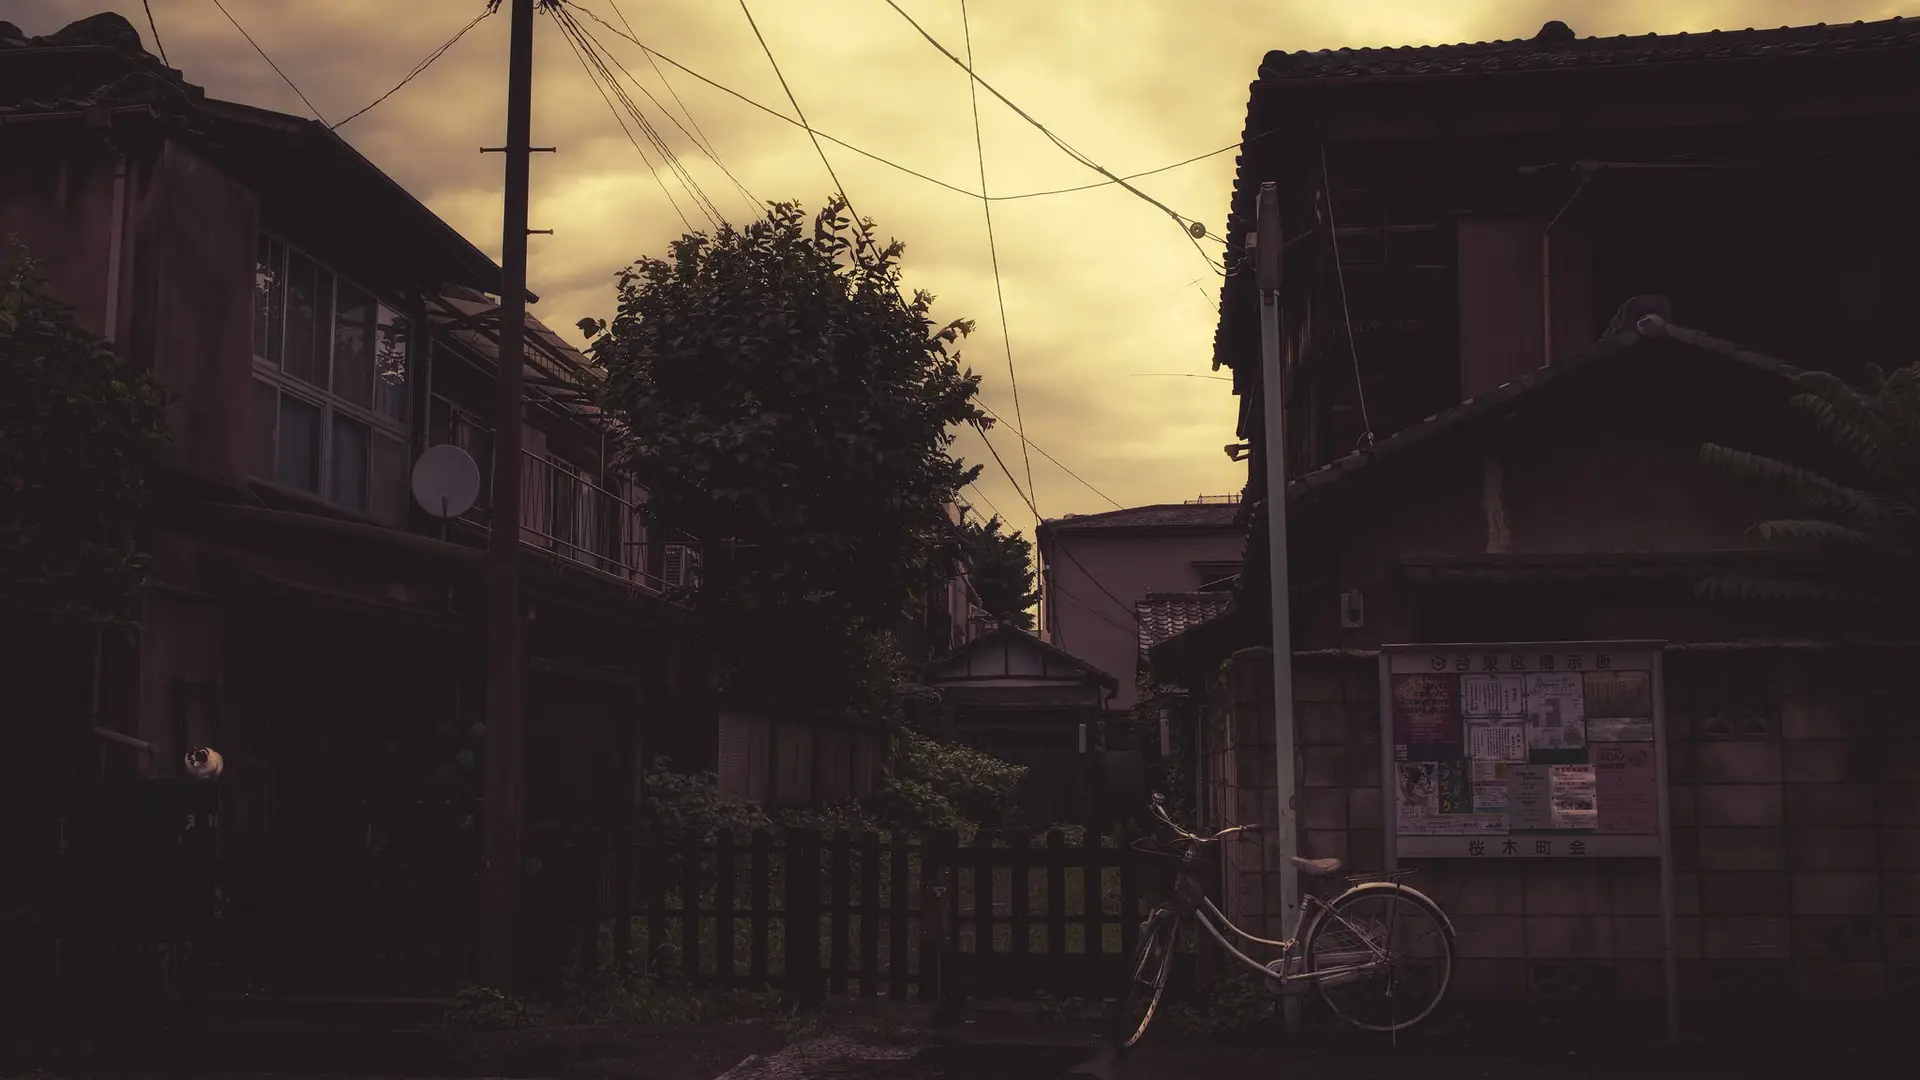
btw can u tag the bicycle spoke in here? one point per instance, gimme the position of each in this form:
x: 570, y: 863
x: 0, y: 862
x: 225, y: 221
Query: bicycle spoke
x: 1380, y: 959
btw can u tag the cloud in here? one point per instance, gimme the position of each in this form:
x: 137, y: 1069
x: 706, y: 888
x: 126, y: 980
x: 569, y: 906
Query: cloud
x: 1104, y: 293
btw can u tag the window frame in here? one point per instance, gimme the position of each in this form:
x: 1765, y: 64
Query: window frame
x: 271, y: 372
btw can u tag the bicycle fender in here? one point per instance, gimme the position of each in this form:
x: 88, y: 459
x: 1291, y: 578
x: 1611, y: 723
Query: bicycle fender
x: 1405, y: 890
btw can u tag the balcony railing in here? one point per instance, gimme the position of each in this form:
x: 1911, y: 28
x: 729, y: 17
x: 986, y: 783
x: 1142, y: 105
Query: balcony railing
x: 577, y: 520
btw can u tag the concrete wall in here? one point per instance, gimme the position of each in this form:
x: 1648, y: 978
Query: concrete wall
x: 1129, y: 566
x: 1795, y: 792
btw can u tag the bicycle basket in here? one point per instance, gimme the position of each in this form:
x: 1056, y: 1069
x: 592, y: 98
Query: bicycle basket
x: 1159, y: 866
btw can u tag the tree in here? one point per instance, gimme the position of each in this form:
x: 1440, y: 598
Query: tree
x: 1868, y: 517
x: 782, y: 401
x: 1001, y: 569
x: 80, y: 434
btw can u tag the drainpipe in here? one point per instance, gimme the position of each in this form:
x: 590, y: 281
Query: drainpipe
x: 1546, y: 272
x: 115, y: 241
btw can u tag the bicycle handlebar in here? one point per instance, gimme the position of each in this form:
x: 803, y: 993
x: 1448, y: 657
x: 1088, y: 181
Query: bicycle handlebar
x: 1159, y: 806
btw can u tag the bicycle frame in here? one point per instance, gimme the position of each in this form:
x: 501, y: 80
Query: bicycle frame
x: 1212, y: 919
x: 1190, y: 899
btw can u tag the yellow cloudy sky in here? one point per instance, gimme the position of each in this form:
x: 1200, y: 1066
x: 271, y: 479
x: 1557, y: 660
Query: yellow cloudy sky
x: 1104, y: 294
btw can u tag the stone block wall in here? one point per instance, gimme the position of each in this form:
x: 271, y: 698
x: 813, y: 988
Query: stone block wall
x: 1795, y: 797
x: 1337, y: 804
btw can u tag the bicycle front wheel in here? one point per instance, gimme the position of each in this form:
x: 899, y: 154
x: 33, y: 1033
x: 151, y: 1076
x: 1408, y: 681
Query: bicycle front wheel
x: 1381, y: 957
x: 1147, y: 979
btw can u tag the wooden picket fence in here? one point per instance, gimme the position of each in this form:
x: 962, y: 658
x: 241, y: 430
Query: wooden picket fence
x: 812, y: 914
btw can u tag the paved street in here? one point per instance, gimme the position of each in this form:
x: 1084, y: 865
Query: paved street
x: 835, y: 1058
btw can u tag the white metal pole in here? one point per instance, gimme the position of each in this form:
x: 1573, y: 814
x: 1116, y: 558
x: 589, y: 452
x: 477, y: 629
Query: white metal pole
x: 1273, y: 406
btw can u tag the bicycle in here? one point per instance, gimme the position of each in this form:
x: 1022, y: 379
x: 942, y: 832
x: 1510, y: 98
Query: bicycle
x: 1356, y: 957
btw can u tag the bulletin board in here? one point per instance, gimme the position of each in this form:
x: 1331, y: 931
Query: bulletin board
x: 1524, y: 750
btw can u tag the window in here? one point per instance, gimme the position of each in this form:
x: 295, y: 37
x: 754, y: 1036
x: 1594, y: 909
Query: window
x: 330, y: 389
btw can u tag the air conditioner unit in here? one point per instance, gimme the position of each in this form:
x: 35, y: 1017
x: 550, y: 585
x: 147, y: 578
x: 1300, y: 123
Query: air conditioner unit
x: 680, y: 566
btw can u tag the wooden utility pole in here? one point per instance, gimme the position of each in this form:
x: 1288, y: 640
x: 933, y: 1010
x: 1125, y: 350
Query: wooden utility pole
x: 504, y: 794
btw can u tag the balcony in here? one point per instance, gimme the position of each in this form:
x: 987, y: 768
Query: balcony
x: 567, y: 515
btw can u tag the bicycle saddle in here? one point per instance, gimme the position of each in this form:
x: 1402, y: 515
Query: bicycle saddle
x: 1315, y: 867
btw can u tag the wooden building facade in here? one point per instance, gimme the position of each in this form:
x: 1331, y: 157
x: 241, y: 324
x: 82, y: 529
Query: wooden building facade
x: 1525, y: 281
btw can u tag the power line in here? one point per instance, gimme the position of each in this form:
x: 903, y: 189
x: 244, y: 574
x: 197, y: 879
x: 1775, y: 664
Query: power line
x: 815, y: 136
x: 916, y: 174
x: 1055, y: 586
x: 983, y: 498
x: 423, y: 65
x: 708, y: 208
x: 155, y: 31
x: 1346, y: 313
x: 585, y: 49
x: 801, y: 113
x: 605, y: 56
x: 993, y: 252
x: 1191, y: 226
x: 269, y: 60
x: 1244, y: 143
x: 618, y: 119
x: 703, y: 141
x: 1118, y: 505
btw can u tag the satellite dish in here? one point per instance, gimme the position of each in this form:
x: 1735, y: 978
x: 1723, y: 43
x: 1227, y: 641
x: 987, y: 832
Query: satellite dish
x: 445, y: 481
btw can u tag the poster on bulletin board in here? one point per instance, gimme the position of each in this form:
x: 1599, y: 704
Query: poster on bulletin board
x: 1536, y: 750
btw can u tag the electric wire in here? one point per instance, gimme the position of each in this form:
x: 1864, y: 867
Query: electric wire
x: 611, y: 85
x: 1011, y: 479
x: 269, y: 60
x: 703, y: 141
x: 983, y: 498
x: 418, y: 68
x: 815, y: 137
x: 707, y: 206
x: 606, y: 57
x: 993, y: 252
x: 1021, y: 435
x: 154, y: 29
x: 1186, y: 224
x: 896, y: 166
x: 859, y: 227
x: 618, y: 119
x: 1346, y: 312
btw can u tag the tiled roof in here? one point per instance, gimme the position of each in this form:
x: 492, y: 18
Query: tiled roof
x: 95, y: 61
x: 1032, y: 641
x: 1557, y: 47
x: 1206, y: 515
x: 98, y: 65
x: 1650, y: 328
x: 1162, y: 615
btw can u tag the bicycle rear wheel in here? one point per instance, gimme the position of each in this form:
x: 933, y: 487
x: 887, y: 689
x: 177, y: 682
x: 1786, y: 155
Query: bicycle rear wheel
x: 1382, y: 957
x: 1147, y: 979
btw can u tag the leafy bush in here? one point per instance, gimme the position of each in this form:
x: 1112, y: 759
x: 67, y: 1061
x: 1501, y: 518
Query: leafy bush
x: 938, y: 785
x: 679, y: 804
x: 81, y: 432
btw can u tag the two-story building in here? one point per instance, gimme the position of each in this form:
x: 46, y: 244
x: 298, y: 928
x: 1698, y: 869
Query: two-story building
x: 1097, y: 568
x: 317, y: 329
x: 1513, y: 281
